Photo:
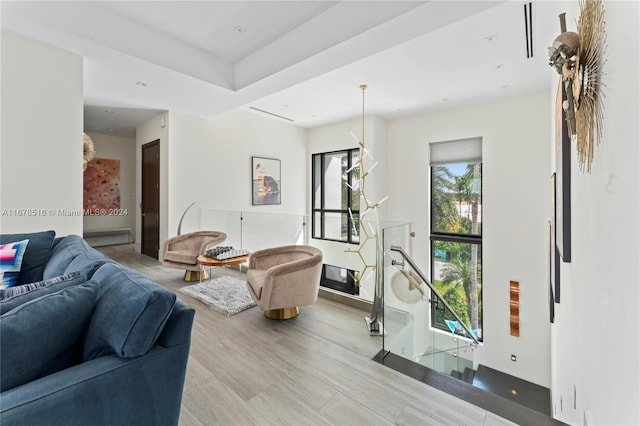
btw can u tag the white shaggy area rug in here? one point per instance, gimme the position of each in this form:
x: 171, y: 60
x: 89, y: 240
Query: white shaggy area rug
x: 226, y: 295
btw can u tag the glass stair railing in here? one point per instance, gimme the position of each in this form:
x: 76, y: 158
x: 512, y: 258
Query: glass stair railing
x: 247, y: 230
x: 420, y: 325
x: 427, y: 340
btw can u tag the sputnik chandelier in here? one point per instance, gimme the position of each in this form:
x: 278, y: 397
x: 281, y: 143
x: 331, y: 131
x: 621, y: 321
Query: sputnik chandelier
x: 369, y: 232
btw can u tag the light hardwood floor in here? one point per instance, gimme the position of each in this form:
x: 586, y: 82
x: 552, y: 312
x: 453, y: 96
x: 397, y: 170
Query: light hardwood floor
x: 315, y: 369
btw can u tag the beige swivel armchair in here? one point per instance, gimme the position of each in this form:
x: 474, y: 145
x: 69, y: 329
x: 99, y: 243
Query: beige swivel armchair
x: 182, y: 252
x: 281, y: 279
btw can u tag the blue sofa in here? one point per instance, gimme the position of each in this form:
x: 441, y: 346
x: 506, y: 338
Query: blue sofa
x: 91, y: 343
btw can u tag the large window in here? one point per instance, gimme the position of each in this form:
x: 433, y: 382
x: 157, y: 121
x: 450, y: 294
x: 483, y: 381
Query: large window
x: 456, y: 231
x: 336, y: 197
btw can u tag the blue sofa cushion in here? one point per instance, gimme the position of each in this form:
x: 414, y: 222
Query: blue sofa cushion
x: 16, y: 296
x: 72, y: 253
x: 129, y: 315
x: 35, y: 257
x: 11, y: 255
x: 44, y: 334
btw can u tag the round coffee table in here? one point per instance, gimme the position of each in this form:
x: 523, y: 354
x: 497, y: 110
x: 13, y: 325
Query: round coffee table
x: 203, y: 261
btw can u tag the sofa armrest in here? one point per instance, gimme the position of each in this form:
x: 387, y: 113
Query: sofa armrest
x: 177, y: 330
x: 146, y: 390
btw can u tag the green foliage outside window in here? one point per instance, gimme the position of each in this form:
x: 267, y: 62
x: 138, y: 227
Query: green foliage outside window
x: 456, y: 234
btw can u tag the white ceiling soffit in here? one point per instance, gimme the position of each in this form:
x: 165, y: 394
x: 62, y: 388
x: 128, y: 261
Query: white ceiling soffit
x: 116, y: 121
x: 228, y: 44
x: 203, y: 58
x: 477, y: 59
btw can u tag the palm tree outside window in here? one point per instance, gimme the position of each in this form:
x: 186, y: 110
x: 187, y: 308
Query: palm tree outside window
x: 456, y: 232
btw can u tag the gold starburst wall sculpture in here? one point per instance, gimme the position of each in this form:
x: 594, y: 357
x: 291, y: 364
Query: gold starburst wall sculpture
x: 88, y: 150
x: 578, y: 58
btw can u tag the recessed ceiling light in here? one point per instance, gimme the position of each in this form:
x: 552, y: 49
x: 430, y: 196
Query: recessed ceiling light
x: 141, y: 83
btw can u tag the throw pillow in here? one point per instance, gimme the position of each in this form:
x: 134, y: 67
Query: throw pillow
x: 129, y: 315
x: 36, y: 256
x: 15, y: 296
x: 11, y: 255
x: 72, y: 253
x: 41, y: 337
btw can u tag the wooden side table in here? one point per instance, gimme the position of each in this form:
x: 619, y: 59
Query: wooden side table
x: 203, y: 261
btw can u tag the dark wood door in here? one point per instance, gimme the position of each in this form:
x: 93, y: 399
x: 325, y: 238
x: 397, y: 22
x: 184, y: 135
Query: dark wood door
x: 151, y: 199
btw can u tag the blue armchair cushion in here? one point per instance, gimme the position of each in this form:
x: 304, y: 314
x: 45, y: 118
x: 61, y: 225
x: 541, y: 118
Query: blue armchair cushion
x: 11, y: 255
x: 72, y: 253
x: 15, y: 296
x: 126, y: 329
x: 44, y: 334
x: 36, y: 255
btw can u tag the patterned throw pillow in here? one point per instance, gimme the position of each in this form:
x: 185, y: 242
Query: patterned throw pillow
x: 11, y: 255
x: 36, y: 256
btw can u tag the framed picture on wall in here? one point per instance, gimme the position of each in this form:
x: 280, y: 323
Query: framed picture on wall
x: 265, y: 181
x: 563, y: 178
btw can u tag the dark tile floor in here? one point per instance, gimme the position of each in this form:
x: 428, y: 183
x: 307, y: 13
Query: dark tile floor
x: 494, y: 392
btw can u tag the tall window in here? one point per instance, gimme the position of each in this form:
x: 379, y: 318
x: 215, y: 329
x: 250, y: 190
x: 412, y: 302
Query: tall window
x: 456, y: 231
x: 336, y: 205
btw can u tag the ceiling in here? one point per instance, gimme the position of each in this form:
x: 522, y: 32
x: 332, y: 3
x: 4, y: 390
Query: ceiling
x: 298, y: 61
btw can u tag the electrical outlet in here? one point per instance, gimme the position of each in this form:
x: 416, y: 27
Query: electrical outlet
x: 513, y: 358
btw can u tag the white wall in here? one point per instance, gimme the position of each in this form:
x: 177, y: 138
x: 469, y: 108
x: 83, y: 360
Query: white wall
x: 595, y: 347
x: 123, y: 149
x: 210, y: 163
x: 516, y: 205
x: 41, y: 147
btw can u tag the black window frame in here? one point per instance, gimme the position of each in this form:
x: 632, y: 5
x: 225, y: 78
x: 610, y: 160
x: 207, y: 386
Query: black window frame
x: 455, y: 238
x: 322, y: 211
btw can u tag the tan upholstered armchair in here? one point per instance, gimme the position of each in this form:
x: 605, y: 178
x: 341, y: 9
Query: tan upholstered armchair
x: 281, y: 279
x: 182, y: 251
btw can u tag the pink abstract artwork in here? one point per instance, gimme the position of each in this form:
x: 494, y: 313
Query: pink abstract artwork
x: 101, y: 186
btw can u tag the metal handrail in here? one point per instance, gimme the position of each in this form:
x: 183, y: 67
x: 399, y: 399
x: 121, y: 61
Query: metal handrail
x: 433, y: 289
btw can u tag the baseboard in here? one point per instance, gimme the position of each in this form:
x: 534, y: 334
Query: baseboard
x: 108, y: 237
x: 345, y: 299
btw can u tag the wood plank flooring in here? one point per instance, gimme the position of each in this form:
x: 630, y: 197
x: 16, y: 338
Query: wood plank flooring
x: 316, y: 369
